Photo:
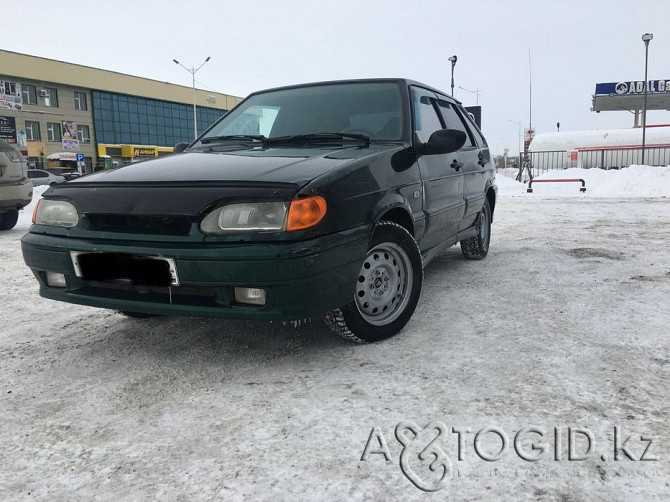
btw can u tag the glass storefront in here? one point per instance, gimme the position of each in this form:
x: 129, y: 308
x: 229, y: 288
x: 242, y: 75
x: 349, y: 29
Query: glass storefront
x: 122, y: 119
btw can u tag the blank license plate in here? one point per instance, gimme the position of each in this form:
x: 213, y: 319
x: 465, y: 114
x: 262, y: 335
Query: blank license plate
x: 120, y: 267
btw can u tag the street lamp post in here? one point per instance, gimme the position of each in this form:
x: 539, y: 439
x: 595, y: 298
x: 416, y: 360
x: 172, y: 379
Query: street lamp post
x: 476, y: 92
x: 453, y: 60
x: 193, y: 71
x: 646, y: 38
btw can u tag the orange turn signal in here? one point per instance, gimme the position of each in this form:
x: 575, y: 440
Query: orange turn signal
x: 35, y: 210
x: 306, y: 212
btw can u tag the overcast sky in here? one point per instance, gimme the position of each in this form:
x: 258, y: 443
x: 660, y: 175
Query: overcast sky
x: 256, y: 44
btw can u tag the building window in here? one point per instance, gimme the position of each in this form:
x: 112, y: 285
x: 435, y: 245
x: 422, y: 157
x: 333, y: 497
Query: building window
x: 35, y: 162
x: 33, y: 131
x: 51, y: 97
x: 80, y: 101
x: 135, y: 120
x: 29, y: 94
x: 84, y: 134
x: 53, y: 131
x: 7, y: 87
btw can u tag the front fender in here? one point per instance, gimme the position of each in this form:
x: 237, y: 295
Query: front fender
x: 402, y: 206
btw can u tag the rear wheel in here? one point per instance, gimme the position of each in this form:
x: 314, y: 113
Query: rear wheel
x: 387, y: 288
x: 477, y: 247
x: 8, y: 219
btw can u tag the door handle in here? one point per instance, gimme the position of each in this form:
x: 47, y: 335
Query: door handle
x: 456, y: 165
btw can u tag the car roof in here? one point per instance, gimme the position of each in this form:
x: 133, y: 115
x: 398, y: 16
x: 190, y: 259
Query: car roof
x: 6, y: 146
x: 404, y: 81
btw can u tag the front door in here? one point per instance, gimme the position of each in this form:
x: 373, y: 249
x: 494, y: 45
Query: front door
x: 442, y: 175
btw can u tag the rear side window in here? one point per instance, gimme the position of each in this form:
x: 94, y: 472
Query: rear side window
x: 453, y: 120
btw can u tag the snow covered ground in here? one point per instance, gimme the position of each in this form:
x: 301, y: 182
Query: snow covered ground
x: 634, y: 181
x: 563, y: 327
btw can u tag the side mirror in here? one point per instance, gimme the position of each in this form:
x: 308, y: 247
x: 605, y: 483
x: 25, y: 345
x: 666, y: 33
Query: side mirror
x: 180, y: 147
x: 443, y: 141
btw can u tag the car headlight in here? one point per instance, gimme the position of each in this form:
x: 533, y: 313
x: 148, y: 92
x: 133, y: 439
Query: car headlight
x: 300, y: 214
x: 245, y: 217
x: 55, y: 213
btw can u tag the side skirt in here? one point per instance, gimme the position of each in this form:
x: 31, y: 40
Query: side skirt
x: 431, y: 253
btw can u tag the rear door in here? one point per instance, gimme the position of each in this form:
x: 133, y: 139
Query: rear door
x: 475, y: 158
x: 441, y: 174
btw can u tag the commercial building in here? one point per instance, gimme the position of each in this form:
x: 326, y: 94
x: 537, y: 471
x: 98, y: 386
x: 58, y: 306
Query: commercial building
x: 63, y: 114
x: 631, y: 96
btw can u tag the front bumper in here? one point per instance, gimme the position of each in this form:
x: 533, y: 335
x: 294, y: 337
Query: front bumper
x: 301, y: 279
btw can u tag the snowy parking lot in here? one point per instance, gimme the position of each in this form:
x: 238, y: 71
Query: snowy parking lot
x: 541, y: 372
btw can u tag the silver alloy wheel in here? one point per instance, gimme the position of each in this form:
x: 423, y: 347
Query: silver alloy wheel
x: 384, y: 283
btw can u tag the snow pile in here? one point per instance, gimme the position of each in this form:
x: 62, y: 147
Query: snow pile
x: 634, y: 181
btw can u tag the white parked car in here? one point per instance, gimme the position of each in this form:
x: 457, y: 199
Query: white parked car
x: 16, y: 190
x: 41, y: 177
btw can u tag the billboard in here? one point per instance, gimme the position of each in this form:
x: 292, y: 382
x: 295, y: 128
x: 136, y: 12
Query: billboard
x: 476, y: 112
x: 10, y: 95
x: 634, y: 87
x: 70, y: 141
x: 8, y: 129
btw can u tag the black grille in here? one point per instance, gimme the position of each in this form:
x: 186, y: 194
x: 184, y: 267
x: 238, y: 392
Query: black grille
x: 161, y: 225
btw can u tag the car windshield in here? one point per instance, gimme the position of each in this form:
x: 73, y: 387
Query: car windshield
x: 341, y: 112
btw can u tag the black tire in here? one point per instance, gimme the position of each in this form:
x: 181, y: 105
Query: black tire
x: 477, y: 247
x: 387, y: 289
x: 137, y: 315
x: 8, y: 219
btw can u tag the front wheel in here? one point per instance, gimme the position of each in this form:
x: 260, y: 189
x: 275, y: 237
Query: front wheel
x: 477, y: 247
x: 387, y: 288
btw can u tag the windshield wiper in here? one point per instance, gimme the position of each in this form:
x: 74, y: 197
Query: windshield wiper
x: 320, y: 136
x: 235, y: 137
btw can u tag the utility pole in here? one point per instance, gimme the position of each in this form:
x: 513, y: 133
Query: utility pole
x: 646, y: 38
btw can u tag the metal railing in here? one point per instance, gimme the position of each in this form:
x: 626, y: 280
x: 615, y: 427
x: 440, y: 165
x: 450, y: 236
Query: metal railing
x: 541, y: 162
x: 616, y: 158
x: 603, y: 158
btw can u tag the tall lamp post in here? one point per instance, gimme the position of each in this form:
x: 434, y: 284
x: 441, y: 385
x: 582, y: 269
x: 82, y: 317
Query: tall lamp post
x: 453, y: 60
x: 646, y: 38
x: 193, y: 71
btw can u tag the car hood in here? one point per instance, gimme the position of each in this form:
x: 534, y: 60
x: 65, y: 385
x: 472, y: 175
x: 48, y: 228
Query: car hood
x: 189, y: 182
x: 272, y: 165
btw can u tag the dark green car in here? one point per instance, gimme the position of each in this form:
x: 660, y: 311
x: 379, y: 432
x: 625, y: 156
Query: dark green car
x: 325, y: 198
